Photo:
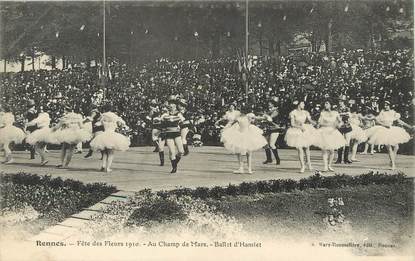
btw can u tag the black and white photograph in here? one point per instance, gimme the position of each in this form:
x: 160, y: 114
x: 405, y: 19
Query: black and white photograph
x: 207, y: 130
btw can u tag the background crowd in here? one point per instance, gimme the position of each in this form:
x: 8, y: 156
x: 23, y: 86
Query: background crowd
x: 362, y: 77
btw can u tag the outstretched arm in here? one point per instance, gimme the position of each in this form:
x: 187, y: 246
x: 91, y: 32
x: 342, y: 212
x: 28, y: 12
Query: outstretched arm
x: 402, y: 123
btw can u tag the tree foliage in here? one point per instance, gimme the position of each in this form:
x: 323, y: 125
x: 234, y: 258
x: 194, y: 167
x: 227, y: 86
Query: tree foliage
x: 139, y: 31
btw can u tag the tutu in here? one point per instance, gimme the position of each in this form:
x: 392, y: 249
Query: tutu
x: 370, y: 131
x: 41, y: 135
x: 71, y: 136
x: 388, y: 136
x: 244, y: 139
x: 297, y: 138
x: 110, y: 140
x: 329, y: 138
x: 10, y: 134
x: 358, y: 134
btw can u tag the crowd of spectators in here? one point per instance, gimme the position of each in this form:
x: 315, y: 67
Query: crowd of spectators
x: 362, y: 77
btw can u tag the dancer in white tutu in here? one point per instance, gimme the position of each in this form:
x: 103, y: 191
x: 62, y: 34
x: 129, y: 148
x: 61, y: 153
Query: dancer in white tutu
x: 41, y: 136
x: 329, y: 138
x: 243, y: 138
x: 171, y: 122
x: 110, y: 141
x: 69, y: 132
x: 357, y: 135
x: 368, y: 121
x: 389, y: 135
x: 8, y: 134
x: 301, y: 135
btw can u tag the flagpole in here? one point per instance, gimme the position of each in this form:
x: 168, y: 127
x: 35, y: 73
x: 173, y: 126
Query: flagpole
x: 246, y: 47
x: 104, y: 58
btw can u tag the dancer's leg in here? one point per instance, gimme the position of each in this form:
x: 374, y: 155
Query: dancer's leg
x: 69, y: 153
x: 7, y: 153
x: 301, y: 158
x: 330, y: 159
x: 104, y: 159
x: 325, y: 160
x: 273, y: 143
x: 308, y: 156
x: 372, y: 149
x: 172, y: 154
x: 63, y: 154
x: 365, y: 149
x: 240, y: 162
x: 183, y: 134
x: 354, y: 150
x: 249, y: 160
x: 110, y: 158
x: 161, y: 145
x: 40, y: 149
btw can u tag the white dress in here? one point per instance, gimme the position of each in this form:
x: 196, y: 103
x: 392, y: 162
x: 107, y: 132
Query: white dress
x: 109, y: 139
x: 44, y: 133
x: 70, y: 130
x: 328, y: 137
x: 298, y: 138
x: 357, y: 132
x: 388, y: 134
x: 231, y: 117
x: 8, y: 132
x: 243, y: 137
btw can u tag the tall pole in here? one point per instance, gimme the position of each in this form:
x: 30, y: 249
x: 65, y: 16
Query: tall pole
x: 104, y: 58
x: 246, y: 47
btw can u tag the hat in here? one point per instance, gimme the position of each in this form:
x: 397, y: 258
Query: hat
x: 296, y: 102
x: 387, y: 102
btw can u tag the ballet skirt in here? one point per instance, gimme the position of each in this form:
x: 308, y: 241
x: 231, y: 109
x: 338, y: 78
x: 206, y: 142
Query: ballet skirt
x: 388, y: 134
x: 230, y: 117
x: 300, y: 138
x: 328, y: 137
x: 357, y: 132
x: 43, y: 133
x: 8, y: 132
x: 70, y: 131
x: 109, y: 139
x: 243, y: 137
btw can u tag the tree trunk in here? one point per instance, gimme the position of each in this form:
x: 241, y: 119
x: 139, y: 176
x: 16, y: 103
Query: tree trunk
x: 215, y: 45
x: 260, y: 44
x: 271, y: 50
x: 279, y: 47
x: 33, y: 62
x: 88, y: 62
x: 22, y: 61
x: 53, y: 62
x: 329, y: 36
x: 63, y: 62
